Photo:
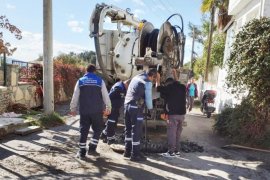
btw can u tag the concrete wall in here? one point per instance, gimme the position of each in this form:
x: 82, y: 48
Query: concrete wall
x: 211, y: 84
x: 17, y: 92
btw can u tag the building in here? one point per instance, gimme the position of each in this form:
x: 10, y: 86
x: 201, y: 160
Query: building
x: 242, y: 11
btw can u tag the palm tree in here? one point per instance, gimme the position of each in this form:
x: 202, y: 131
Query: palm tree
x: 211, y: 6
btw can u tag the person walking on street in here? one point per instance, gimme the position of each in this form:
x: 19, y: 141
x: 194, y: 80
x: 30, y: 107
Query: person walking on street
x: 192, y: 93
x: 90, y: 95
x: 174, y: 94
x: 139, y: 93
x: 117, y: 95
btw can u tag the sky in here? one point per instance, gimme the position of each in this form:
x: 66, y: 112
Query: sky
x: 71, y: 22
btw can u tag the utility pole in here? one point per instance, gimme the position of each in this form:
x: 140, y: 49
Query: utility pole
x: 210, y: 41
x: 48, y: 96
x: 5, y: 68
x: 192, y: 48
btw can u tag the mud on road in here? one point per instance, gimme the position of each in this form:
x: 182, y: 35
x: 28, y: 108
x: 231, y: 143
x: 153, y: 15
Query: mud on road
x: 50, y: 154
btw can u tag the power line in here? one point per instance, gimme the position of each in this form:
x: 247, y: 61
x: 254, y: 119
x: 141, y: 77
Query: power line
x: 164, y: 5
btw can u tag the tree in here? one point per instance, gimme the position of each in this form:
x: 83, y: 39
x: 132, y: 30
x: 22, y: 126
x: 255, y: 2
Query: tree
x: 217, y: 52
x: 83, y: 58
x: 70, y: 58
x: 88, y: 56
x: 5, y: 47
x: 196, y: 35
x: 211, y: 6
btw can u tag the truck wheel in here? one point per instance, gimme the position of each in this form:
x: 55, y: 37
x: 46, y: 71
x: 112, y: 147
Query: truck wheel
x: 208, y: 115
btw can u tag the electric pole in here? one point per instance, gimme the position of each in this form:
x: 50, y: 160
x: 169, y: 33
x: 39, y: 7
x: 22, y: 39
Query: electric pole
x: 192, y: 48
x: 48, y: 95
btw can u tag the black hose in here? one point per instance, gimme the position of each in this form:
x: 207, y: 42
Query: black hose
x: 182, y: 22
x: 97, y: 45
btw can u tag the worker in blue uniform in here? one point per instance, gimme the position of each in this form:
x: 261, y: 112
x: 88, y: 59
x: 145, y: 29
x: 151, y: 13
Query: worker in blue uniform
x: 117, y: 96
x: 138, y: 94
x: 90, y: 95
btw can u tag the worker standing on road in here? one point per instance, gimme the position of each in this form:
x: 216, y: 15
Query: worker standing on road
x: 90, y: 94
x: 139, y: 93
x: 117, y: 95
x: 174, y: 94
x: 192, y: 92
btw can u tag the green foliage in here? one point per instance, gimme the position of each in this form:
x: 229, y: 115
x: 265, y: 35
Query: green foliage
x: 83, y: 58
x: 30, y: 113
x: 70, y: 58
x: 217, y: 52
x: 249, y: 66
x: 199, y: 66
x: 50, y: 120
x: 249, y: 71
x: 88, y: 57
x: 240, y: 125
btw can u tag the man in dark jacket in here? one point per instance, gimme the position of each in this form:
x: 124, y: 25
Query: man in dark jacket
x: 174, y: 94
x: 139, y: 93
x: 90, y: 95
x: 117, y: 95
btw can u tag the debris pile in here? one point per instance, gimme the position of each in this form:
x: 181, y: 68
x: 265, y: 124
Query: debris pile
x: 161, y: 147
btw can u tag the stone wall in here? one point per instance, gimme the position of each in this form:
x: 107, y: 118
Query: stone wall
x: 18, y: 92
x: 5, y: 95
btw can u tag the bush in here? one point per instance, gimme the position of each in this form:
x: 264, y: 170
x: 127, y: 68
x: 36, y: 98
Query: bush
x: 249, y: 71
x: 65, y: 76
x: 51, y: 120
x: 241, y: 126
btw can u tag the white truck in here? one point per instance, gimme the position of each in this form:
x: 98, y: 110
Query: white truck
x: 136, y: 45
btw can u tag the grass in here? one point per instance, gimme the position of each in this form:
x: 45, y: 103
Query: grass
x: 51, y: 120
x: 30, y: 113
x: 36, y: 118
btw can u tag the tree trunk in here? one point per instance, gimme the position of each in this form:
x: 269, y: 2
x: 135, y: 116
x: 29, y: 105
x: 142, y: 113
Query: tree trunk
x: 210, y: 42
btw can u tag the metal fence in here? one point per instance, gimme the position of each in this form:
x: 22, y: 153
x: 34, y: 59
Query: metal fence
x: 29, y: 72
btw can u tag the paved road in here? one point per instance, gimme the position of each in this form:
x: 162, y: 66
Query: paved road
x: 50, y: 154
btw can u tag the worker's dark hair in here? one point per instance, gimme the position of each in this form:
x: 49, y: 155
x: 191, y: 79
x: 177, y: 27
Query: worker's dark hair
x: 152, y: 72
x: 169, y: 80
x: 91, y: 68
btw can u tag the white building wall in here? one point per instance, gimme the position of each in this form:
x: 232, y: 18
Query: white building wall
x: 243, y: 11
x: 266, y: 8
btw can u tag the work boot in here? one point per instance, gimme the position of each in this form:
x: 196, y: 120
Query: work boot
x: 92, y: 151
x: 111, y: 141
x: 127, y: 154
x: 105, y: 140
x: 103, y: 136
x: 138, y: 157
x: 81, y: 154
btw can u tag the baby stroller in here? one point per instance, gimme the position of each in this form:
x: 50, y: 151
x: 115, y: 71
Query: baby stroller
x: 208, y: 102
